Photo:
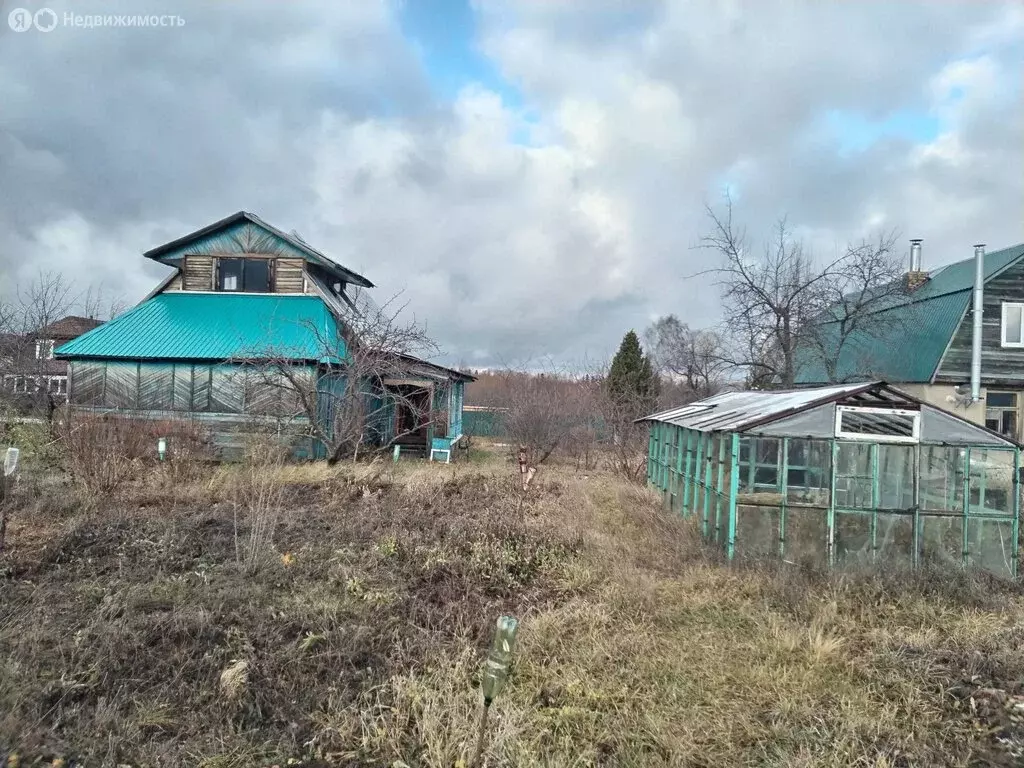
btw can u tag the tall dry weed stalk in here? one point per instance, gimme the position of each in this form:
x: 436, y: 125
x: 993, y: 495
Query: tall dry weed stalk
x: 258, y: 502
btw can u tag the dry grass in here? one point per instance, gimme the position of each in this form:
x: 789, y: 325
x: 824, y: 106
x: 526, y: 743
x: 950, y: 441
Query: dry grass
x: 130, y: 636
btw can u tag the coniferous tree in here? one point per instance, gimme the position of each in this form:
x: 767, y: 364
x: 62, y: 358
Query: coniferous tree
x: 632, y: 383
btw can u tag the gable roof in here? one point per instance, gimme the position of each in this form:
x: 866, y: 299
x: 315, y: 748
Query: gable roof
x: 811, y: 414
x: 214, y: 326
x: 68, y: 327
x: 739, y: 411
x: 230, y: 244
x: 912, y: 331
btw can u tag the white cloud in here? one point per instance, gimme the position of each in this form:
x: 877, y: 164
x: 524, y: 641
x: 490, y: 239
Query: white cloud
x: 514, y: 237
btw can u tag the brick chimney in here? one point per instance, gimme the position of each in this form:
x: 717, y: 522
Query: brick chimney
x: 915, y: 276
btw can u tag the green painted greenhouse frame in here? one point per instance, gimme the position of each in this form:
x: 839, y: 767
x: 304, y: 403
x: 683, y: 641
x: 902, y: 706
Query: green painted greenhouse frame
x: 844, y: 475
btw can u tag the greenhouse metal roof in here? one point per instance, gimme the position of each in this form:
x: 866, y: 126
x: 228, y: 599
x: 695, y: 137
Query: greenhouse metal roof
x: 735, y: 411
x: 812, y: 413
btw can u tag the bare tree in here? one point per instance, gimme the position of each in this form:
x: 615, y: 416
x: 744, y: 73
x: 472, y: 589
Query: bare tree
x: 547, y: 411
x: 783, y: 308
x: 868, y: 279
x: 696, y: 357
x: 366, y: 373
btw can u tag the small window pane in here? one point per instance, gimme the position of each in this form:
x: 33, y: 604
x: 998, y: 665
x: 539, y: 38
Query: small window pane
x: 229, y: 274
x: 257, y: 276
x: 1012, y: 324
x: 1001, y: 399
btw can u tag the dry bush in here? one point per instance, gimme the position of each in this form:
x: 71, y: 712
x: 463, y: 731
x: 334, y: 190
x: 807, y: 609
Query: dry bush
x: 103, y: 452
x: 258, y: 502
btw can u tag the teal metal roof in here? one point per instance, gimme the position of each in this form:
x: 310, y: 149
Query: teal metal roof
x: 911, y: 334
x: 905, y: 345
x: 215, y: 326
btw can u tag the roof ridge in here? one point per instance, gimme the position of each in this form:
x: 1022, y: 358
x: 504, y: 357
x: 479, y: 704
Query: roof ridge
x: 315, y: 255
x: 988, y: 254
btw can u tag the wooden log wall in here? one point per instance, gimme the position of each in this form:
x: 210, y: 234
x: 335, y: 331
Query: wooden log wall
x: 198, y: 273
x: 288, y: 276
x: 1000, y: 366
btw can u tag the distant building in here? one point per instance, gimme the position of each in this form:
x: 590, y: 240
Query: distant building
x: 243, y: 291
x: 30, y: 372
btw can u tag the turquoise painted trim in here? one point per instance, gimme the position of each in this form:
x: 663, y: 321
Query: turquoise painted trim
x: 697, y: 472
x: 917, y: 502
x: 650, y: 453
x: 708, y: 466
x: 876, y: 496
x: 784, y: 491
x: 720, y: 487
x: 965, y: 530
x: 688, y: 477
x: 830, y: 545
x: 1015, y: 557
x: 680, y: 438
x: 734, y: 490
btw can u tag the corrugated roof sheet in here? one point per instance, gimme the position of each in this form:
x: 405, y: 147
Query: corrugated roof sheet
x: 735, y: 411
x: 908, y: 337
x: 905, y: 346
x: 213, y: 326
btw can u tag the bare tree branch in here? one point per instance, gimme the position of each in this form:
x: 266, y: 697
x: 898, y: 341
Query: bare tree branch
x: 783, y: 308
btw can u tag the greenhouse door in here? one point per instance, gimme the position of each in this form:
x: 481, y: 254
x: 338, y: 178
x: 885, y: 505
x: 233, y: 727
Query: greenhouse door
x: 873, y: 503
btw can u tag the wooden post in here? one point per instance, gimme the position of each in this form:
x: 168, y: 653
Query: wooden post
x: 734, y: 483
x: 1015, y: 491
x: 830, y: 542
x: 5, y: 487
x: 783, y: 485
x: 965, y: 530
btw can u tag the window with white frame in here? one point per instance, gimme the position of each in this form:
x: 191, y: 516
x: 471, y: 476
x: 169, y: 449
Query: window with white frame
x: 1013, y: 324
x: 1001, y: 412
x: 890, y: 425
x: 58, y: 385
x: 44, y: 349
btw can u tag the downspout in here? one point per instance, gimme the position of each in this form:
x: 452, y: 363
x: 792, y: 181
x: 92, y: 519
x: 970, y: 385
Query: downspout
x: 979, y: 284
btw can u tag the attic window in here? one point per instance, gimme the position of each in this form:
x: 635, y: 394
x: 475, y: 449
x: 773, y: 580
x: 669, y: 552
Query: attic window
x: 247, y: 275
x: 888, y: 425
x: 44, y: 349
x: 1013, y: 324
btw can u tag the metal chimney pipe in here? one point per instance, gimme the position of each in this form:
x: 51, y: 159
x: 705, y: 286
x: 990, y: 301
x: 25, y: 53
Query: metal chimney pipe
x: 979, y: 287
x: 915, y: 255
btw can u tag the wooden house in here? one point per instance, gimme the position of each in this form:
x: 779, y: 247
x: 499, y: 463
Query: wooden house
x: 29, y: 373
x: 249, y: 315
x: 954, y: 338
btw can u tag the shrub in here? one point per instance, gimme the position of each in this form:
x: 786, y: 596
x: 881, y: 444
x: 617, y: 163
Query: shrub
x: 102, y: 452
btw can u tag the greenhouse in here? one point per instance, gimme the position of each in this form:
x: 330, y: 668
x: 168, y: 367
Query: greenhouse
x: 842, y: 475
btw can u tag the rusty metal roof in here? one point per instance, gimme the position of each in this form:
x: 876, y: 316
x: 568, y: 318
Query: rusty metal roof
x: 737, y: 411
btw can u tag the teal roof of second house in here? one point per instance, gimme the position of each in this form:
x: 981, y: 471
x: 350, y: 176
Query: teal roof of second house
x: 215, y: 326
x: 917, y: 329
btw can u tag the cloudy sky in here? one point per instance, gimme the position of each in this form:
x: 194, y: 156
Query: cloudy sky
x: 531, y: 174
